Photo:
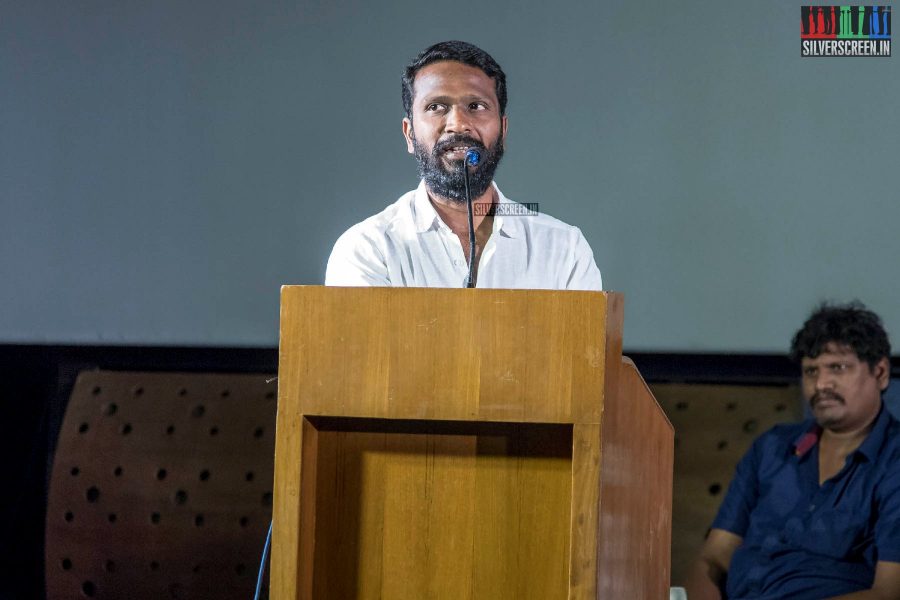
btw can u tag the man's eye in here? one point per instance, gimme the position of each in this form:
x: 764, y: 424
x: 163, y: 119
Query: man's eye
x: 477, y: 106
x: 809, y: 372
x: 838, y: 368
x: 434, y: 107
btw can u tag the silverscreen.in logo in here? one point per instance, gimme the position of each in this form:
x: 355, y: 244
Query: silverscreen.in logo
x: 845, y: 31
x: 506, y: 209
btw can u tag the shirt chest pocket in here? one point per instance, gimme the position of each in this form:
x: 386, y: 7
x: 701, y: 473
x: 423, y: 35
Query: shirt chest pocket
x: 838, y: 533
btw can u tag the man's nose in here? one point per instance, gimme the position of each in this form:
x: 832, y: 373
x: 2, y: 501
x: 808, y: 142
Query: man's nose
x: 457, y: 120
x: 824, y: 380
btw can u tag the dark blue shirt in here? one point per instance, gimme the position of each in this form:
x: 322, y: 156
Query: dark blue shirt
x: 804, y: 541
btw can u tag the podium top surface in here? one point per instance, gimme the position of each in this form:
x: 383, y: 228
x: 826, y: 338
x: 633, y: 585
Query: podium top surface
x: 453, y: 354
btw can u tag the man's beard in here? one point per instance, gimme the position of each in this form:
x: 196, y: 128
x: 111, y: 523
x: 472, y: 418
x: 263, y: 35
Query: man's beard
x: 449, y: 183
x: 823, y: 420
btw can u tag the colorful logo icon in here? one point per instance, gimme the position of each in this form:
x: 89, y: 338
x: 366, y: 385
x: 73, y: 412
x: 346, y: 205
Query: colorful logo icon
x: 845, y: 31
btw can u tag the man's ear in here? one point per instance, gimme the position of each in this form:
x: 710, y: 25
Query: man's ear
x: 504, y: 124
x: 408, y: 135
x: 882, y: 372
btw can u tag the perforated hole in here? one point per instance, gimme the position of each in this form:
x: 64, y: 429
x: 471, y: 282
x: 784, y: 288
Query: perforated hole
x: 154, y: 566
x: 731, y: 406
x: 161, y: 474
x: 198, y: 411
x: 196, y: 569
x: 69, y: 516
x: 780, y: 407
x: 258, y: 432
x: 110, y: 408
x: 270, y: 395
x: 109, y: 566
x: 267, y: 499
x: 204, y: 475
x: 199, y: 521
x: 248, y: 476
x: 96, y: 391
x: 137, y: 391
x: 722, y: 445
x: 181, y: 497
x: 170, y: 430
x: 155, y: 518
x: 214, y: 431
x: 66, y: 564
x: 681, y: 406
x: 182, y: 392
x: 117, y: 471
x: 88, y: 589
x: 244, y: 521
x: 126, y: 429
x: 714, y: 489
x: 92, y: 494
x: 750, y: 425
x: 111, y: 517
x: 225, y: 393
x: 240, y: 568
x: 75, y: 471
x: 83, y: 428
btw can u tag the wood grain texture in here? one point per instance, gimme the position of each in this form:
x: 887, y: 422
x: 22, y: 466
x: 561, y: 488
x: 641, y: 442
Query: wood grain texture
x: 637, y: 445
x: 417, y: 353
x: 451, y: 443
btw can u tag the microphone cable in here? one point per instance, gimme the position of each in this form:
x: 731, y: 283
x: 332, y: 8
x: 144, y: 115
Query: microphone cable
x: 473, y: 157
x: 262, y: 563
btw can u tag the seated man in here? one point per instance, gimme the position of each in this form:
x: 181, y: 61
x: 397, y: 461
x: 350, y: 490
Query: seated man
x: 454, y: 95
x: 813, y: 511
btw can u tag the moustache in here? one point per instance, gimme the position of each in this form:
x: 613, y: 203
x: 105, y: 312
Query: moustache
x: 819, y: 396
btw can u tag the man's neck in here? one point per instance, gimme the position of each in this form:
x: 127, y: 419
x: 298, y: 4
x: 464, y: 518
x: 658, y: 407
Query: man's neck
x: 454, y: 214
x: 843, y: 442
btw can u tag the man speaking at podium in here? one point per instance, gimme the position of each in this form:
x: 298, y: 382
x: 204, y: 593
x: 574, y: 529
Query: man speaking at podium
x: 454, y: 95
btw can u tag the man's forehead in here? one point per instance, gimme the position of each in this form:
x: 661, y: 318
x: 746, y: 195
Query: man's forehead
x: 832, y: 351
x: 444, y: 74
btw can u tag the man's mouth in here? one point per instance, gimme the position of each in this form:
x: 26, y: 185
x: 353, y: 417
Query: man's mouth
x: 456, y: 152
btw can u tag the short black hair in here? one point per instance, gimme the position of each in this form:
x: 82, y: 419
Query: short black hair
x: 462, y: 52
x: 851, y: 325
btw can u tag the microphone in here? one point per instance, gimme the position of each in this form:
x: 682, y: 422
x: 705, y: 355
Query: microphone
x: 473, y: 157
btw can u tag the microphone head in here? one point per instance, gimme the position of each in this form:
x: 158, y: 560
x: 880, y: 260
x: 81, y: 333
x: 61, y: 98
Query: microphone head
x: 473, y: 157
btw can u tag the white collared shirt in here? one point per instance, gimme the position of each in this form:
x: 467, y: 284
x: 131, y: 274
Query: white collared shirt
x: 408, y: 245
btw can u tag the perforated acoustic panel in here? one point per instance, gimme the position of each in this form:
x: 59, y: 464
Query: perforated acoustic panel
x: 161, y: 486
x: 714, y: 426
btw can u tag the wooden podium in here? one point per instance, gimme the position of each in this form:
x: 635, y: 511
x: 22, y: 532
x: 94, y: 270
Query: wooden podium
x: 477, y: 444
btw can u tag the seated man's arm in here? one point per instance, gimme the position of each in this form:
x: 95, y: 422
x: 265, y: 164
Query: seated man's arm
x: 706, y: 577
x: 885, y: 587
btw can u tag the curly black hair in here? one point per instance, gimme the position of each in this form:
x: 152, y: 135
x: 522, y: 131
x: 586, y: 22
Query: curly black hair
x: 454, y: 50
x: 851, y: 325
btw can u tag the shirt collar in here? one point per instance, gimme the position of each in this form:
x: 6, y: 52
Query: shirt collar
x: 873, y: 442
x: 869, y: 447
x: 425, y: 217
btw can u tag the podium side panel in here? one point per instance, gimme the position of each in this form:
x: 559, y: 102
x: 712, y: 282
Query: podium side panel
x: 637, y: 446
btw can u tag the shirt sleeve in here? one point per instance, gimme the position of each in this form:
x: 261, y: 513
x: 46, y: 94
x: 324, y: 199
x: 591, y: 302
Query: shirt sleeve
x: 585, y: 275
x: 887, y: 526
x: 356, y: 261
x: 743, y: 492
